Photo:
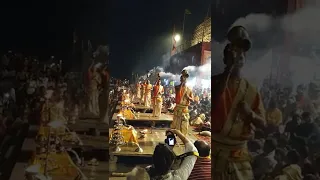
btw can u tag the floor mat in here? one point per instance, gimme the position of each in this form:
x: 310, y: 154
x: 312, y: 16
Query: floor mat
x: 204, y: 138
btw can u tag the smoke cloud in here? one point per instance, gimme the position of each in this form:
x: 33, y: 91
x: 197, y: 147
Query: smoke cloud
x: 272, y: 36
x: 198, y: 76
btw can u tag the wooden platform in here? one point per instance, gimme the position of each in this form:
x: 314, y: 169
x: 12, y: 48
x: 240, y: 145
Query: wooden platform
x: 149, y: 143
x: 100, y: 172
x: 18, y: 171
x: 29, y: 144
x: 148, y: 117
x: 91, y: 142
x: 137, y: 107
x: 86, y: 124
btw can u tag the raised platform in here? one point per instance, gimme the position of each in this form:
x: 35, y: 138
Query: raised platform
x: 148, y: 144
x: 148, y: 117
x: 87, y: 124
x: 137, y: 107
x: 18, y: 171
x: 91, y: 142
x: 100, y: 172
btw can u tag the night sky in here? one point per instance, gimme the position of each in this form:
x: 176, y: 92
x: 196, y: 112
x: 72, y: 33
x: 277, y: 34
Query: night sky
x: 45, y: 28
x: 139, y: 32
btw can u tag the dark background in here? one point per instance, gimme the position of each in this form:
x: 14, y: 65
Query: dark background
x: 138, y: 32
x: 141, y: 31
x: 45, y: 28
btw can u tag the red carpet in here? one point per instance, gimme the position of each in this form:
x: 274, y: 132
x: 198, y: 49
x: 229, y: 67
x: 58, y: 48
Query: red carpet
x: 200, y: 137
x: 204, y: 138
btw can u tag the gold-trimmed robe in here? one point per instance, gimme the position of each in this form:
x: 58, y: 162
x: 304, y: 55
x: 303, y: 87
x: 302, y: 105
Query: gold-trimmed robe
x: 181, y: 112
x: 230, y: 157
x: 157, y: 100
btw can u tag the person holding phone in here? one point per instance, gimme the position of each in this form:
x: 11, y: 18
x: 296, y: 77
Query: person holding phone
x: 164, y: 159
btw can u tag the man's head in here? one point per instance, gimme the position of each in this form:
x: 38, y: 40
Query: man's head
x: 269, y: 145
x: 183, y: 79
x: 158, y: 82
x: 306, y: 117
x: 273, y: 104
x: 203, y: 148
x: 293, y: 157
x: 234, y: 58
x: 296, y: 118
x: 184, y: 76
x: 239, y: 36
x: 163, y: 159
x: 280, y: 155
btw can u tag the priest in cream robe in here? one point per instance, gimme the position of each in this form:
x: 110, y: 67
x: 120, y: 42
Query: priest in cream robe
x: 184, y: 96
x: 94, y: 84
x: 142, y: 91
x: 147, y: 96
x: 157, y: 99
x: 237, y: 110
x: 138, y: 92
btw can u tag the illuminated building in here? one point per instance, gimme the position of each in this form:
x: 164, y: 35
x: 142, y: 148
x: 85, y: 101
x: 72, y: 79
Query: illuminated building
x: 202, y: 32
x: 195, y: 52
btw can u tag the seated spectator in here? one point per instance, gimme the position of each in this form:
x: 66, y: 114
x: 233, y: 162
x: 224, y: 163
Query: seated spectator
x: 292, y: 170
x: 308, y: 128
x: 280, y: 157
x: 164, y: 157
x: 255, y: 148
x: 202, y: 167
x: 273, y: 114
x: 265, y: 163
x: 293, y: 124
x: 273, y: 117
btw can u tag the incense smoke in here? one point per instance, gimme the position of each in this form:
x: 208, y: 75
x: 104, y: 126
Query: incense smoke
x: 198, y: 76
x: 269, y: 36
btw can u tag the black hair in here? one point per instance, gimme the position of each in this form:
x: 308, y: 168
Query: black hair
x: 259, y: 133
x: 203, y: 149
x: 306, y: 115
x: 227, y: 53
x: 273, y: 103
x: 163, y: 159
x: 281, y: 152
x: 293, y: 157
x: 310, y: 177
x: 254, y: 145
x: 272, y: 143
x: 238, y: 35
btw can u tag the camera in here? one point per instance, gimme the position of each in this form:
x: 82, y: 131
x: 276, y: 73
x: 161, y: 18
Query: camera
x: 171, y: 139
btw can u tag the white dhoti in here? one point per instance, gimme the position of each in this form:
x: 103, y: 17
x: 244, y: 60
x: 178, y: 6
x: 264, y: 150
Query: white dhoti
x: 181, y: 118
x: 157, y: 106
x: 147, y: 101
x: 94, y: 102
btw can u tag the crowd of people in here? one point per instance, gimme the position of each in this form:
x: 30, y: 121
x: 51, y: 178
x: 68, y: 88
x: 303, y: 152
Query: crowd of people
x: 290, y: 141
x: 166, y: 165
x: 264, y: 135
x: 35, y: 93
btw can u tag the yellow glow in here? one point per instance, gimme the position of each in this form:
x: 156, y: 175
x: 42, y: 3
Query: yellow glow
x: 177, y: 37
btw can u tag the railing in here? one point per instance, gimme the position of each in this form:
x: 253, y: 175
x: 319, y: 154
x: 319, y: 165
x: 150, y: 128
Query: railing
x: 183, y: 46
